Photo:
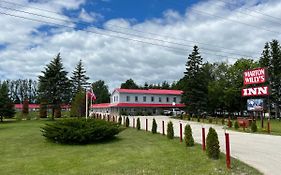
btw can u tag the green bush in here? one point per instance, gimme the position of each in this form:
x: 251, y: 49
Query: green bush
x: 139, y: 113
x: 254, y: 127
x: 188, y: 117
x: 236, y: 126
x: 222, y: 121
x: 120, y: 120
x: 230, y: 124
x: 188, y: 138
x: 127, y: 122
x: 198, y: 118
x: 170, y: 130
x: 213, y: 147
x: 154, y: 126
x: 138, y: 124
x: 80, y: 131
x: 210, y: 120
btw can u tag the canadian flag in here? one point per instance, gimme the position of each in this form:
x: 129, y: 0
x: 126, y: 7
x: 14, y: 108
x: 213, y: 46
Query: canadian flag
x: 91, y: 95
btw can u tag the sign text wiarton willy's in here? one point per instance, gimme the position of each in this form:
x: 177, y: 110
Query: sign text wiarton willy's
x: 255, y: 76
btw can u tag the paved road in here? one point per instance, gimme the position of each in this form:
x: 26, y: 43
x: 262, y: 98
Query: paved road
x: 260, y: 151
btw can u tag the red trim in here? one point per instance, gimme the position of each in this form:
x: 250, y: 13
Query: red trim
x: 148, y: 105
x: 149, y: 91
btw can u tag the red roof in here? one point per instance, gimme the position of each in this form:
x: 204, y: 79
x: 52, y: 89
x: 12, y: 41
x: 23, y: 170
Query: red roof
x: 107, y: 105
x: 150, y: 91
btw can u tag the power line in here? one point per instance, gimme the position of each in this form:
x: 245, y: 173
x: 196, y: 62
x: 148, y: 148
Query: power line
x: 106, y: 35
x: 165, y: 36
x: 227, y: 19
x: 248, y: 14
x: 255, y: 11
x: 114, y: 31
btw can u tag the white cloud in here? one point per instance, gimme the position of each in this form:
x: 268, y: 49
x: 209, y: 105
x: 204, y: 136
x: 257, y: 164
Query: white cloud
x: 115, y: 60
x: 89, y: 17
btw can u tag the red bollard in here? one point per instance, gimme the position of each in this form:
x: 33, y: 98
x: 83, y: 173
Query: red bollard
x: 227, y: 150
x: 163, y: 128
x: 133, y: 122
x: 203, y: 140
x: 146, y: 127
x: 180, y: 132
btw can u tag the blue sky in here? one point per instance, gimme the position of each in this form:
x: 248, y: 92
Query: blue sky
x: 27, y: 46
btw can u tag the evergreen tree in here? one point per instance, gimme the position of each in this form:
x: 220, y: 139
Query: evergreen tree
x: 6, y: 105
x: 79, y: 78
x: 101, y: 91
x: 213, y: 146
x: 54, y: 86
x: 170, y: 130
x: 195, y: 88
x: 265, y: 58
x: 275, y: 74
x: 129, y: 84
x: 188, y: 138
x: 78, y: 105
x: 138, y: 124
x: 154, y: 126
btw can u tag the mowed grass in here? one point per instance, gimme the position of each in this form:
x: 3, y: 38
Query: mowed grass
x: 24, y: 151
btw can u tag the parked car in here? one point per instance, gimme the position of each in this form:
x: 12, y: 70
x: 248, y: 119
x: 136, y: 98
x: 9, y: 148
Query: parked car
x: 175, y: 111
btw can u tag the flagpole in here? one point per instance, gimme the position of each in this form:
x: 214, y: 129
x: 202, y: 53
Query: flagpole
x: 86, y: 105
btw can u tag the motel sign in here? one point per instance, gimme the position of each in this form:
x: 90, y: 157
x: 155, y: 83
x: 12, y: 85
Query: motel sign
x: 255, y: 91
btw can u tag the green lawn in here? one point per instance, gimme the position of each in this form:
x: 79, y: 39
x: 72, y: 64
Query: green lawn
x: 24, y: 151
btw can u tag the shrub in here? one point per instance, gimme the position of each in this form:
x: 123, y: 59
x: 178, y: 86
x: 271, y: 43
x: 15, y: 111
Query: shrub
x: 120, y: 120
x: 188, y: 138
x: 222, y: 121
x: 43, y: 110
x: 138, y: 124
x: 80, y: 131
x: 127, y: 122
x: 210, y: 120
x: 170, y: 130
x: 139, y: 113
x: 230, y: 124
x: 154, y: 127
x: 236, y: 126
x: 254, y: 127
x: 213, y: 147
x: 188, y: 117
x: 149, y: 113
x: 198, y: 118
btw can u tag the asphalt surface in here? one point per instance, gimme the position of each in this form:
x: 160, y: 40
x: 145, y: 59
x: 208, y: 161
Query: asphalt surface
x: 262, y: 152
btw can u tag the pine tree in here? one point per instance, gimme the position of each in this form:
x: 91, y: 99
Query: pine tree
x: 195, y: 88
x: 54, y: 86
x: 154, y: 126
x: 170, y: 130
x: 188, y: 138
x: 6, y: 104
x: 213, y: 146
x: 138, y: 124
x: 79, y: 78
x: 275, y: 74
x: 265, y: 58
x: 78, y: 105
x: 101, y: 91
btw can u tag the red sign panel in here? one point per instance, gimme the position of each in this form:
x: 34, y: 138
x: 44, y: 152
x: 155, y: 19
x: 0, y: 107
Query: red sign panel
x: 255, y: 76
x: 255, y: 91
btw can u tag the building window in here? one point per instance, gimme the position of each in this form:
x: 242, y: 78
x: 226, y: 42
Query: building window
x: 160, y: 100
x: 167, y: 99
x: 136, y: 98
x: 144, y: 98
x: 175, y: 99
x: 128, y: 98
x: 152, y: 99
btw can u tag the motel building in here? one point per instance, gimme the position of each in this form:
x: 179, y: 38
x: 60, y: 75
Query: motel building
x: 144, y: 101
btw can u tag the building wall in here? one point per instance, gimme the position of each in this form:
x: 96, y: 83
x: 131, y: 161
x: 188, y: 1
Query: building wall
x: 144, y: 98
